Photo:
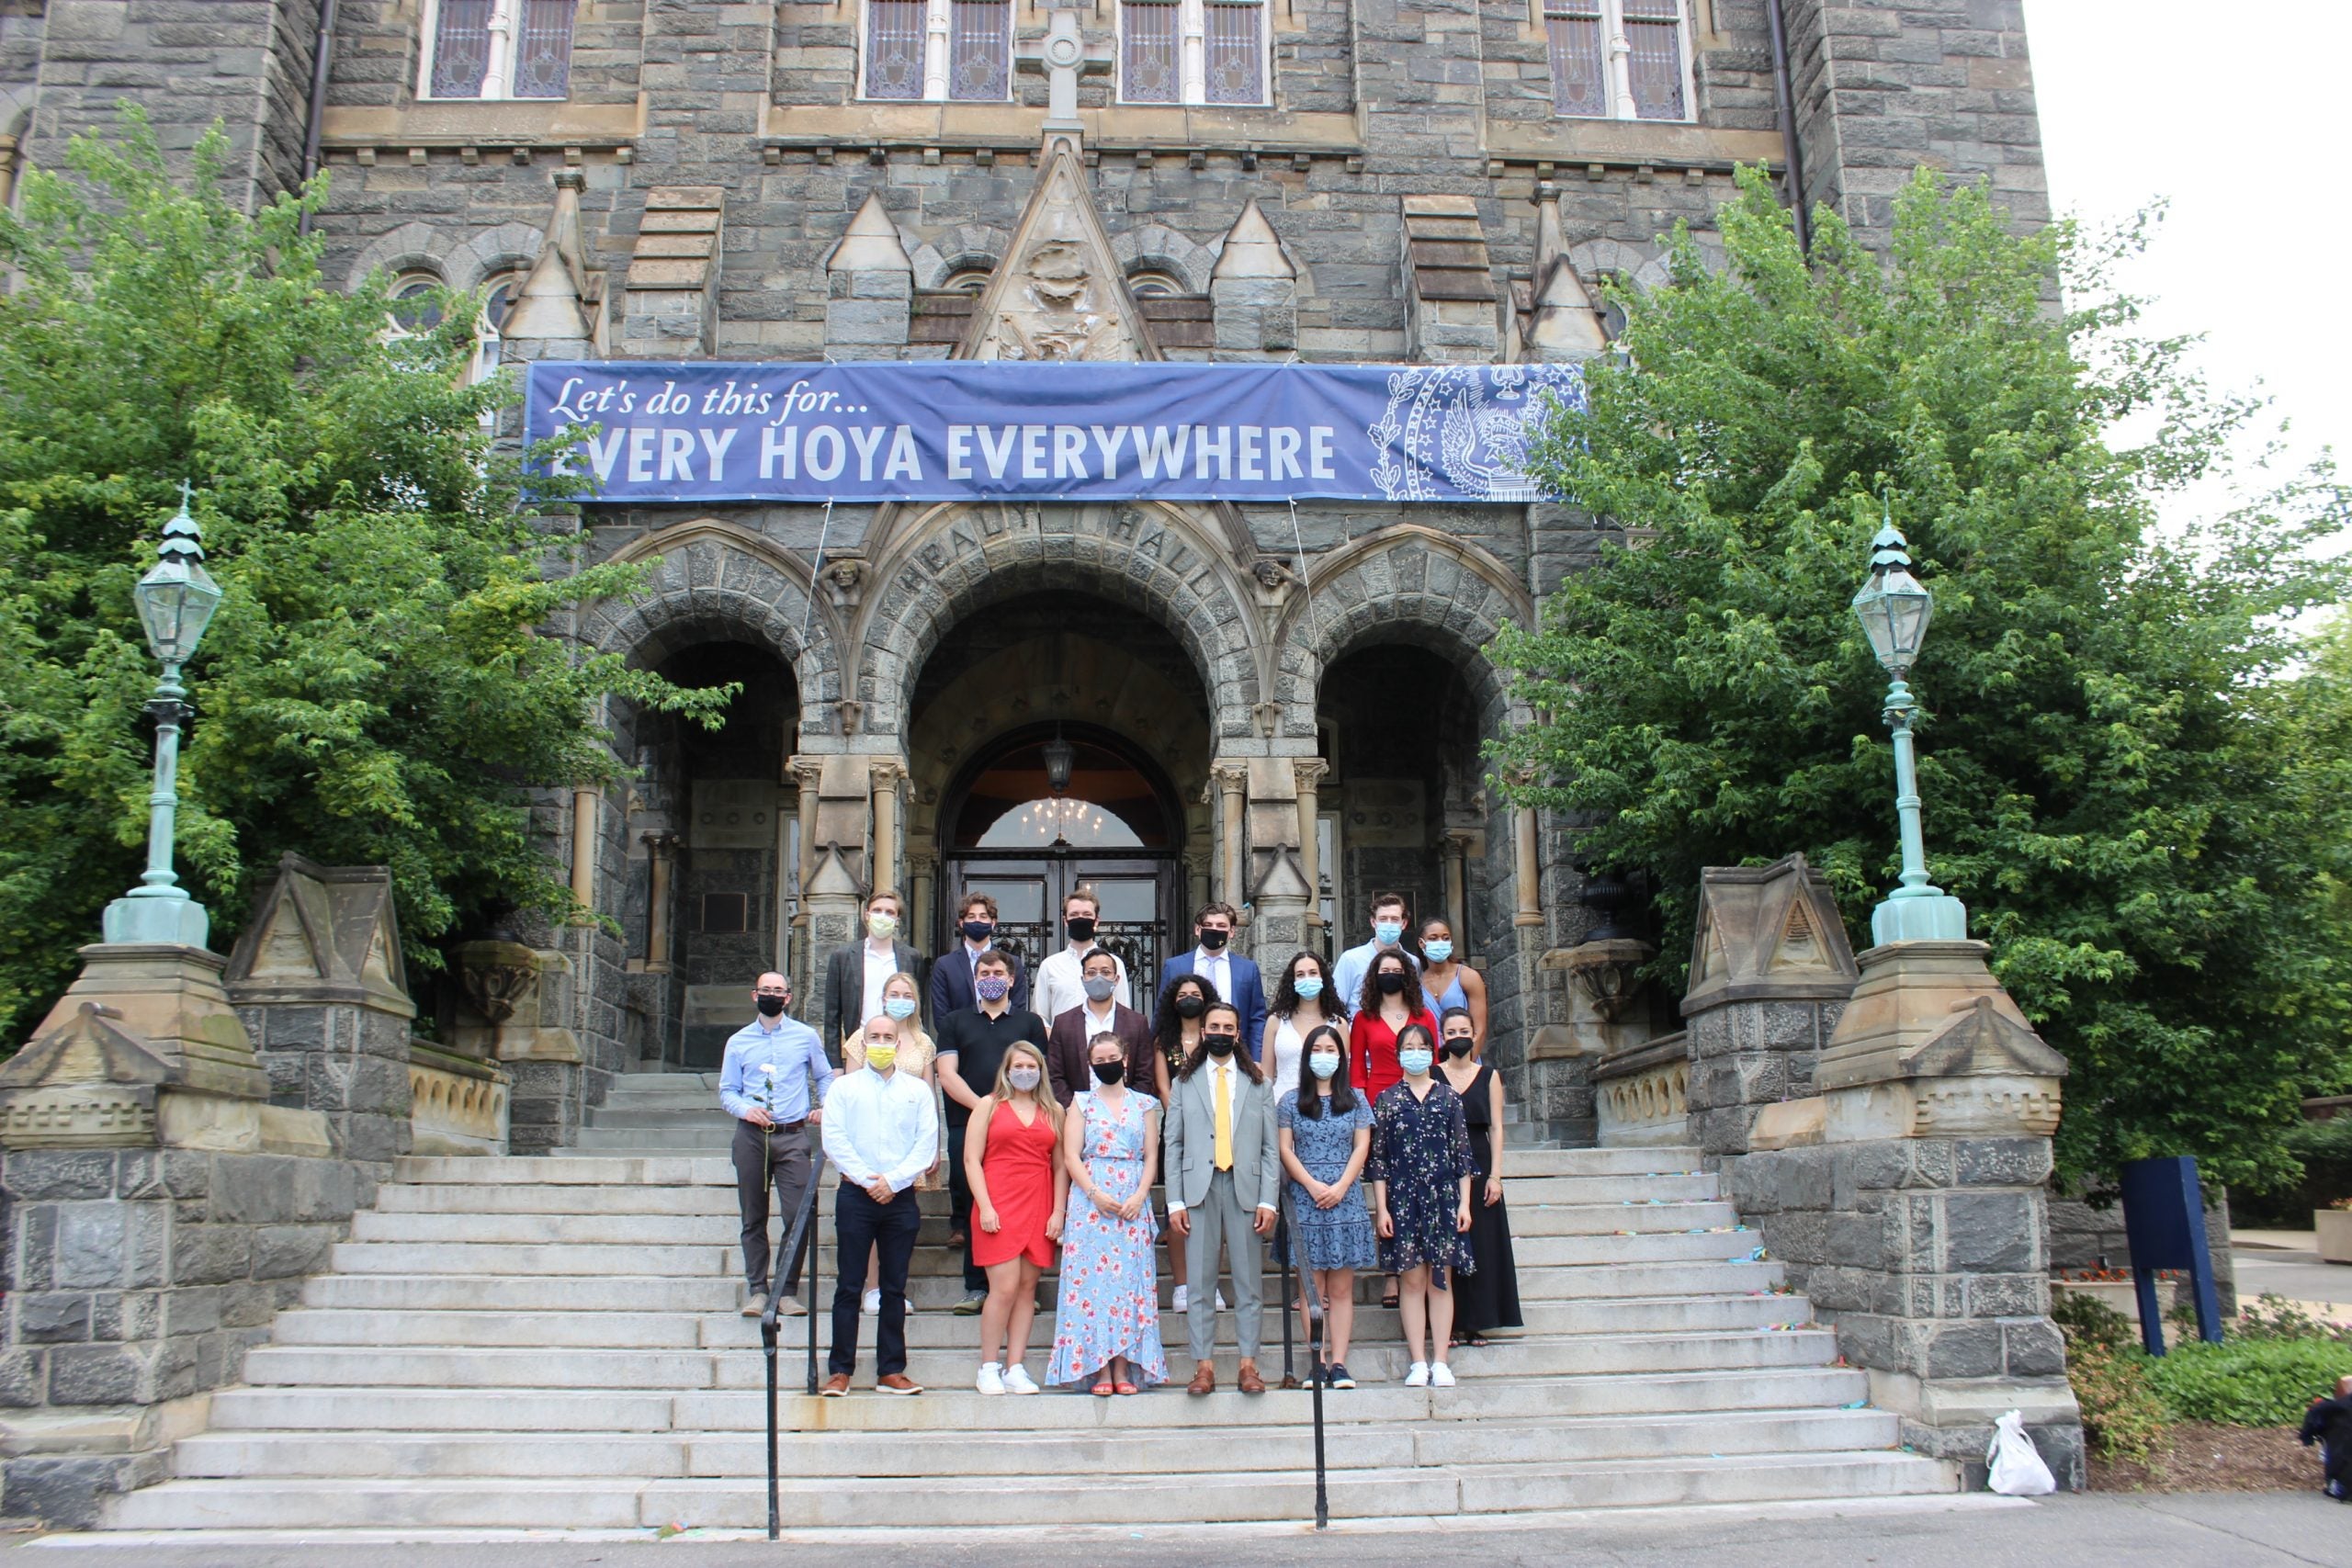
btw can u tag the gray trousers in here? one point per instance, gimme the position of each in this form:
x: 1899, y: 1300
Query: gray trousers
x: 1220, y: 1224
x: 780, y: 1159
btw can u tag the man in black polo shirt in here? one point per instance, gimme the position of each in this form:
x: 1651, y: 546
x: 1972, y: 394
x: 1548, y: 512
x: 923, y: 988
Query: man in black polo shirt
x: 972, y: 1044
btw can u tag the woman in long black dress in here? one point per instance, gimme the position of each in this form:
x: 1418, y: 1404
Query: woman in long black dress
x: 1487, y: 1297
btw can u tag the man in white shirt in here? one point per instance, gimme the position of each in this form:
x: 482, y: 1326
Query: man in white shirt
x: 856, y: 972
x: 881, y: 1133
x: 1387, y: 936
x: 1059, y: 985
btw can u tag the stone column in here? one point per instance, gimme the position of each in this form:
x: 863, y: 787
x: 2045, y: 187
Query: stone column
x: 584, y: 846
x: 922, y: 911
x: 662, y: 851
x: 1527, y: 869
x: 1307, y: 775
x: 1770, y: 970
x: 1458, y: 843
x: 1228, y: 789
x: 7, y: 170
x: 889, y: 774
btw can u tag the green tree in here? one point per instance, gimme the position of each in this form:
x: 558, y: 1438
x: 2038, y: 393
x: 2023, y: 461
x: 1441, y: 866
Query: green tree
x: 379, y: 686
x: 2109, y: 752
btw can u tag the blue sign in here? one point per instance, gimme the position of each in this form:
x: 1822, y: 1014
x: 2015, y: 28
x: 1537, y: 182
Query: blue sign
x: 967, y: 430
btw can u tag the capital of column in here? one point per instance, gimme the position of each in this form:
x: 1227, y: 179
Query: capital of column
x: 1310, y: 773
x: 660, y: 845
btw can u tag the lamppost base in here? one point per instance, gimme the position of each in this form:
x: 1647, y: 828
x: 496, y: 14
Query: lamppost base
x: 1937, y: 917
x: 180, y: 922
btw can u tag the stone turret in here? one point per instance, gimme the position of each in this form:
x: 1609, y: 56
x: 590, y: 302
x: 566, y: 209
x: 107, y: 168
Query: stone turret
x: 869, y: 287
x: 1254, y: 290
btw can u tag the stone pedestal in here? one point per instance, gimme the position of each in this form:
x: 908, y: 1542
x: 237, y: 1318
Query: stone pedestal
x: 517, y: 1010
x: 836, y: 808
x: 1771, y: 969
x: 1275, y: 885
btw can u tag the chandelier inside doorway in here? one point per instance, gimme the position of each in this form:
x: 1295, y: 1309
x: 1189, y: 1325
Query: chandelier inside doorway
x: 1058, y: 821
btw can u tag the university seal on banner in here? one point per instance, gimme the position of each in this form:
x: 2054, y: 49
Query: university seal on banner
x: 1460, y: 432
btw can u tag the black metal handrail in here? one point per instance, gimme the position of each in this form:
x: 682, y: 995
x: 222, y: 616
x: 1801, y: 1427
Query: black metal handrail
x: 801, y: 1240
x: 1315, y: 1337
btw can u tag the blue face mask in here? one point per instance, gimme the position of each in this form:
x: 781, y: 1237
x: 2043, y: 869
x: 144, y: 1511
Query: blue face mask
x: 1309, y: 987
x: 898, y: 1007
x: 1387, y: 932
x: 1438, y: 951
x: 1416, y: 1062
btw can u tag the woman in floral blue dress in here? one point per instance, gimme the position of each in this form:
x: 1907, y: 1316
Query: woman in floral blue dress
x: 1325, y: 1138
x: 1106, y: 1323
x: 1422, y: 1168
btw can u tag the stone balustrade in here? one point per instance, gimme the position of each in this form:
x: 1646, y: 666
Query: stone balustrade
x: 1642, y: 1094
x: 457, y: 1106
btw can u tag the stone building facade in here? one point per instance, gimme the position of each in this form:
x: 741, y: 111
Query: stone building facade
x: 1283, y: 708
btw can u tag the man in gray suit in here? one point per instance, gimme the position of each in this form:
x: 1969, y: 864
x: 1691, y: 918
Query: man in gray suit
x: 1223, y: 1179
x: 855, y: 974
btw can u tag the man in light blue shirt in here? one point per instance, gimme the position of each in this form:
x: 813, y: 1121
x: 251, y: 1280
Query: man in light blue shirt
x: 765, y: 1082
x: 1387, y: 935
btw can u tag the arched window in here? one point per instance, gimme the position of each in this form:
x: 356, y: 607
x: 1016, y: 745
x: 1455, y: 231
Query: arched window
x: 1588, y: 80
x: 490, y: 342
x: 416, y: 303
x: 966, y: 280
x: 1151, y: 283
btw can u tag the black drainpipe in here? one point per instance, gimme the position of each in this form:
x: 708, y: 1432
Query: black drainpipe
x: 321, y: 54
x: 1787, y: 96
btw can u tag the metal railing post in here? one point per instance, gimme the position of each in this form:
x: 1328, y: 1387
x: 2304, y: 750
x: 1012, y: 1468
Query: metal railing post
x: 802, y: 1238
x: 1281, y: 1250
x: 1314, y: 1330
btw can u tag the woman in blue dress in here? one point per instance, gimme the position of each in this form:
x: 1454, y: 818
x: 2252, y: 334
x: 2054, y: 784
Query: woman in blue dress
x: 1106, y: 1321
x: 1325, y: 1132
x: 1422, y: 1168
x: 1447, y: 982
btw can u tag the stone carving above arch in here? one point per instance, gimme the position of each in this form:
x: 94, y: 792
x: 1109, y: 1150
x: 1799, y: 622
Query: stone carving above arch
x: 716, y: 576
x: 1157, y: 246
x: 505, y: 248
x: 1407, y: 582
x: 966, y: 247
x: 952, y: 560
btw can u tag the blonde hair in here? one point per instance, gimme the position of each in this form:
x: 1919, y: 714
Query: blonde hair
x: 1003, y: 1090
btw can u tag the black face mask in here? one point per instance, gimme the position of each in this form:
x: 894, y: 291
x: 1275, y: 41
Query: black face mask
x: 1110, y: 1072
x: 1458, y: 1044
x: 1081, y: 930
x: 1390, y: 982
x: 1220, y: 1044
x: 1190, y: 1006
x: 980, y: 930
x: 772, y: 1007
x: 1213, y: 939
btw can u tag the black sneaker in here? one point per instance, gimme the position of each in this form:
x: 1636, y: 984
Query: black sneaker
x: 1336, y: 1376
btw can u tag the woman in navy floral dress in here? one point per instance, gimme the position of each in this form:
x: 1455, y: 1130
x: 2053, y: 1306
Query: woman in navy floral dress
x: 1422, y: 1168
x: 1106, y: 1321
x: 1326, y: 1135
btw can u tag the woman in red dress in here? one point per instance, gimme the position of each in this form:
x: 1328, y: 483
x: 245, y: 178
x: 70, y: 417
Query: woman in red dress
x: 1391, y: 1001
x: 1020, y: 1193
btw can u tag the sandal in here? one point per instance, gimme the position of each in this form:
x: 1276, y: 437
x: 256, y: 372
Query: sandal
x: 1104, y: 1390
x: 1389, y: 1300
x: 1126, y: 1388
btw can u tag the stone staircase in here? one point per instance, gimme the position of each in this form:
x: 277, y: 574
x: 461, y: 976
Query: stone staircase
x: 552, y: 1343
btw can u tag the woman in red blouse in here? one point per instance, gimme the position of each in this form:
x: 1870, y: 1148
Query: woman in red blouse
x: 1392, y: 1002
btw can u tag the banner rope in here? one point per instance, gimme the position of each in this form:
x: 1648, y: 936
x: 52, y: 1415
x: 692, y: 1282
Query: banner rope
x: 1305, y: 583
x: 816, y: 577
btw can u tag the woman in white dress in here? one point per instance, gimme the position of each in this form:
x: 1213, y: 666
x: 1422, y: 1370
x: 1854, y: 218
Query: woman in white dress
x: 1304, y: 1002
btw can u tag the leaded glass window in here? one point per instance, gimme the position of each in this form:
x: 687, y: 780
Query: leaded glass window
x: 1235, y: 54
x: 543, y: 49
x: 1580, y: 70
x: 1618, y: 59
x: 498, y: 49
x: 979, y: 49
x: 1150, y: 52
x: 460, y: 49
x: 894, y: 32
x: 1654, y: 32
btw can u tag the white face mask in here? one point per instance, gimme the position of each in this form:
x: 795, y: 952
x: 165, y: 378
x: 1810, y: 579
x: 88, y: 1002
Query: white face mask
x: 1022, y: 1078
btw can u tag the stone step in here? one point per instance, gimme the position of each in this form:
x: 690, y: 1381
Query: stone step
x: 727, y: 1330
x: 595, y: 1170
x: 967, y: 1502
x: 699, y: 1116
x: 1622, y: 1397
x: 532, y: 1295
x: 593, y: 1140
x: 719, y: 1228
x: 412, y: 1366
x: 1367, y: 1445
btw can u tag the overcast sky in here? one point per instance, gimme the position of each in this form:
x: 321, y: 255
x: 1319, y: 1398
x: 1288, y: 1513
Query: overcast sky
x: 2236, y: 114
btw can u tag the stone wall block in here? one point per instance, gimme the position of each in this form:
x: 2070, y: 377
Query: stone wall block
x: 1991, y: 1233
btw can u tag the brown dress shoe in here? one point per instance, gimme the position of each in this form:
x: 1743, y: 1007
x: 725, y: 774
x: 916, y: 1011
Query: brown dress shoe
x: 835, y: 1386
x: 1250, y: 1381
x: 1204, y: 1379
x: 898, y: 1382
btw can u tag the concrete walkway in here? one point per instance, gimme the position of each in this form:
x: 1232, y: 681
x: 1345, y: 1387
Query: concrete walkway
x: 2234, y: 1531
x: 2287, y: 1263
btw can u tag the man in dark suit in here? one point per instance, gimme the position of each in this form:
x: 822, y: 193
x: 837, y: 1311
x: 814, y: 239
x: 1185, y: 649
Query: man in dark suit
x: 1236, y: 978
x: 855, y: 974
x: 1069, y: 1039
x: 950, y: 971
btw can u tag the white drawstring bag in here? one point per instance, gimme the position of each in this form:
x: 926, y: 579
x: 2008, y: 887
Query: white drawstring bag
x: 2017, y: 1469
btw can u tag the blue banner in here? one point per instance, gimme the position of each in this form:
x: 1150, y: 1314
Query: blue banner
x: 957, y: 430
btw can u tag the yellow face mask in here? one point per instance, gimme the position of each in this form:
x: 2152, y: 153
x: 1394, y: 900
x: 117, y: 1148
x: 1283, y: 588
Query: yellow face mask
x: 881, y: 1058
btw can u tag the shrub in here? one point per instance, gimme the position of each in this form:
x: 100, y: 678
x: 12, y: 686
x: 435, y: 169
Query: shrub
x: 2085, y: 1319
x: 2122, y: 1417
x: 2246, y: 1382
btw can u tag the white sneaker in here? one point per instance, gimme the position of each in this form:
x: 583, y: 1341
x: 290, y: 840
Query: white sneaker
x: 874, y: 1300
x: 1220, y: 1302
x: 1441, y: 1376
x: 991, y: 1379
x: 1018, y: 1381
x: 1417, y: 1375
x: 1183, y: 1298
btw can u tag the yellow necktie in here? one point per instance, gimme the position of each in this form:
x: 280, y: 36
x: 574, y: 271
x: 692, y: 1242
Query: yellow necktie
x: 1224, y: 1120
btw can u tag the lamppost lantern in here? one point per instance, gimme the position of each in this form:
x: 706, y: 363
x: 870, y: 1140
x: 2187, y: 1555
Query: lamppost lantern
x: 175, y: 601
x: 1895, y: 608
x: 178, y: 596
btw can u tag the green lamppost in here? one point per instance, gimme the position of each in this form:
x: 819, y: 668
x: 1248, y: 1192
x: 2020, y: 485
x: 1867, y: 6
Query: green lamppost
x: 175, y: 601
x: 1895, y: 610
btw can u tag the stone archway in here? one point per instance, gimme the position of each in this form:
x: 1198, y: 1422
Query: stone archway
x: 958, y: 559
